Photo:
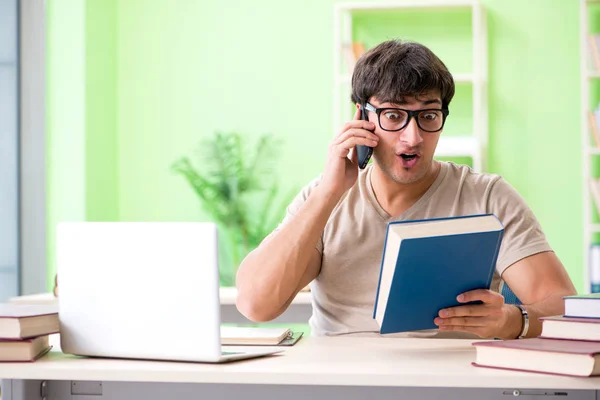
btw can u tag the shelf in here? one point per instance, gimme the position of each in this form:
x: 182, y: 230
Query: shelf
x: 457, y: 146
x: 588, y: 78
x: 458, y: 78
x: 593, y: 74
x: 406, y: 4
x: 468, y: 146
x: 595, y: 228
x: 343, y: 79
x: 464, y: 78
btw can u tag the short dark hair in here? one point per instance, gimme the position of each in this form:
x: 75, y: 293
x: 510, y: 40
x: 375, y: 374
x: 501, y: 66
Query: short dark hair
x: 395, y: 69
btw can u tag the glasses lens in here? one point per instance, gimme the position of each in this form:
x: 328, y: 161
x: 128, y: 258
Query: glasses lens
x: 431, y: 120
x: 392, y: 119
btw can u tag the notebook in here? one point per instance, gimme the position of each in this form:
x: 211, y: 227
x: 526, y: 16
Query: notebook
x: 426, y: 264
x: 233, y: 335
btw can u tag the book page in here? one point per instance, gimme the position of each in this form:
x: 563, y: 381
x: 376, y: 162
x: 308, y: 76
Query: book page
x: 235, y: 334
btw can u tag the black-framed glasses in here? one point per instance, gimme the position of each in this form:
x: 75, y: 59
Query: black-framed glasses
x: 395, y: 119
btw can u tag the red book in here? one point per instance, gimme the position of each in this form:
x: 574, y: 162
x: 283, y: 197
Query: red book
x: 560, y: 327
x: 22, y: 321
x: 24, y: 350
x: 552, y: 356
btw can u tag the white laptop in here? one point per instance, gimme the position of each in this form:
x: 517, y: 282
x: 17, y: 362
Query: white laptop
x: 142, y: 290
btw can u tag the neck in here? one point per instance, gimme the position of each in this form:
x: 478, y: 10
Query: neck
x: 395, y: 198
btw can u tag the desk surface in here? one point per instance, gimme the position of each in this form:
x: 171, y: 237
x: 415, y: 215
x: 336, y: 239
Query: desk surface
x: 344, y: 361
x: 227, y: 295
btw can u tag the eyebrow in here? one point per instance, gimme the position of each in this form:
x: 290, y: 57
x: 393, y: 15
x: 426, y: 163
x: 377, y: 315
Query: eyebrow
x: 426, y: 102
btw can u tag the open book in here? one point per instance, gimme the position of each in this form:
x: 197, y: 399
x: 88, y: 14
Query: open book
x: 234, y: 335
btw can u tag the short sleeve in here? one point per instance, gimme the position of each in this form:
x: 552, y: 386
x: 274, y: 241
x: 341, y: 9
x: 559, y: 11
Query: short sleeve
x: 523, y: 235
x: 293, y: 208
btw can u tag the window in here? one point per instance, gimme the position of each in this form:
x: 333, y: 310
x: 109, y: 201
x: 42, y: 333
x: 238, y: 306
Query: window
x: 9, y: 150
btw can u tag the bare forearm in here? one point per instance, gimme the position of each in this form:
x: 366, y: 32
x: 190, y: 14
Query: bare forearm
x: 272, y: 273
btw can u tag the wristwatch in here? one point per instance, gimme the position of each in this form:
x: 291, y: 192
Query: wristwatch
x: 525, y: 319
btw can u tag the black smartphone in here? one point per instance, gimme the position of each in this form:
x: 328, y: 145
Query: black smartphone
x: 363, y: 152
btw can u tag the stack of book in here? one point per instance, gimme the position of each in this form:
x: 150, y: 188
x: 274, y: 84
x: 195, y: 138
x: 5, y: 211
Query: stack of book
x: 569, y: 344
x: 25, y: 331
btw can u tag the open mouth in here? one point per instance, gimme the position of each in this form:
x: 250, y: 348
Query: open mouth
x: 408, y: 156
x: 409, y: 160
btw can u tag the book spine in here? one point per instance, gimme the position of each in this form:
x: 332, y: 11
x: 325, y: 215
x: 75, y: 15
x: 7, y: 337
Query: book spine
x: 495, y: 258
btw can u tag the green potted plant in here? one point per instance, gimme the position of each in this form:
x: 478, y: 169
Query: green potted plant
x: 237, y: 186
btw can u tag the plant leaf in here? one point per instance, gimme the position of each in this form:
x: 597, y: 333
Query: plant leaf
x: 232, y: 177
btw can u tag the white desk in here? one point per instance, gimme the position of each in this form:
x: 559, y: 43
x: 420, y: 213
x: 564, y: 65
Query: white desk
x: 298, y: 312
x: 349, y: 368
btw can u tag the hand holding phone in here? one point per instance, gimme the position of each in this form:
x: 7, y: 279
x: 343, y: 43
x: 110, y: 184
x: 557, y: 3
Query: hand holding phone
x: 341, y: 169
x: 363, y: 152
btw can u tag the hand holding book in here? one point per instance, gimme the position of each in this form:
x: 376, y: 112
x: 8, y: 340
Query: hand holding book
x: 486, y: 315
x: 415, y: 283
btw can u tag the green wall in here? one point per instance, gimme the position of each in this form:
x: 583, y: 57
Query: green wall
x: 165, y: 76
x: 101, y: 101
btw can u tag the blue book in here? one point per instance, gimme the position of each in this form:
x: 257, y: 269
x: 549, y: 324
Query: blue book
x: 426, y: 264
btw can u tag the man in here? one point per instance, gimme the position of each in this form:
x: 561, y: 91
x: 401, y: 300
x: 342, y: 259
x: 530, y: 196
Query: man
x: 333, y: 234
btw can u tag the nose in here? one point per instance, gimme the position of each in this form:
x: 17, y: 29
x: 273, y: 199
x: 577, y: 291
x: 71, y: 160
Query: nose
x: 411, y: 134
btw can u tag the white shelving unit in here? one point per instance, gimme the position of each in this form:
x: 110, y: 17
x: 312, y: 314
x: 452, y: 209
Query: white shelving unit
x: 589, y: 152
x: 472, y: 144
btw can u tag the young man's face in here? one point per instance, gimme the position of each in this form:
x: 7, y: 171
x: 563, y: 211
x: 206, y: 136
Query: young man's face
x: 406, y: 156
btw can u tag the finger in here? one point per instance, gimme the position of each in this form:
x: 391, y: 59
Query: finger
x: 354, y: 156
x: 474, y: 310
x: 371, y: 140
x: 343, y: 149
x: 484, y: 295
x: 465, y: 321
x: 356, y: 132
x: 358, y: 124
